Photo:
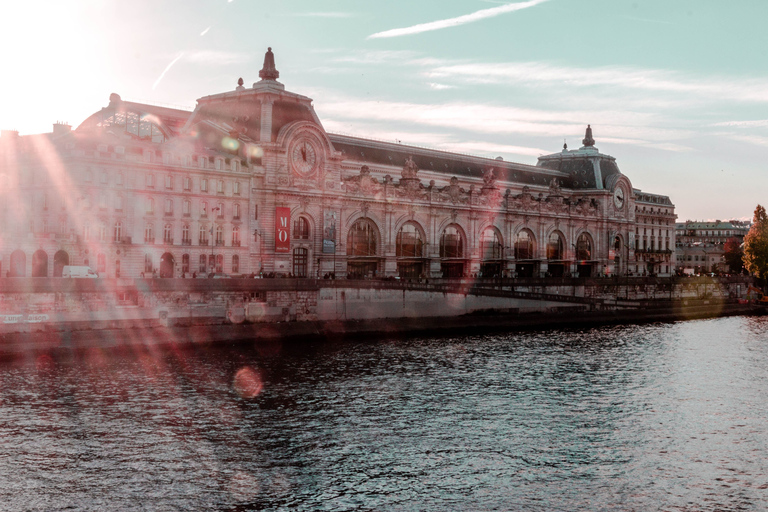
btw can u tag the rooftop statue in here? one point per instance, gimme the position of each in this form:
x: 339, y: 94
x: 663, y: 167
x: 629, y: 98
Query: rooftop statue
x: 410, y: 169
x: 588, y: 140
x: 269, y: 72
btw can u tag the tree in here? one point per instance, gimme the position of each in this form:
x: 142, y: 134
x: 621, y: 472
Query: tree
x: 756, y: 245
x: 733, y: 255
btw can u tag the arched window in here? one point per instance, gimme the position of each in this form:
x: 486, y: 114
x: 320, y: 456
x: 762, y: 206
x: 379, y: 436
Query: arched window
x: 301, y: 229
x: 584, y: 247
x: 361, y: 239
x: 185, y: 239
x: 524, y: 248
x: 185, y: 263
x: 219, y: 263
x: 409, y: 242
x: 490, y: 245
x: 118, y: 231
x: 149, y: 233
x: 236, y: 236
x: 202, y: 236
x: 201, y: 266
x: 168, y: 234
x: 211, y: 263
x: 235, y: 264
x: 555, y: 247
x: 236, y: 211
x: 451, y: 243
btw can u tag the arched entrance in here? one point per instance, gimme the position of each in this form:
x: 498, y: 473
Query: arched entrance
x: 452, y: 252
x: 18, y: 264
x: 584, y: 263
x: 39, y: 263
x: 60, y: 259
x: 362, y: 243
x: 166, y: 265
x: 491, y: 252
x: 410, y: 251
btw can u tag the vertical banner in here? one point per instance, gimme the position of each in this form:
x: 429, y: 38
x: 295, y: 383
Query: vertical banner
x: 329, y: 232
x: 282, y: 229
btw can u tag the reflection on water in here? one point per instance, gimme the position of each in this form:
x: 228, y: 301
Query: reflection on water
x: 653, y: 417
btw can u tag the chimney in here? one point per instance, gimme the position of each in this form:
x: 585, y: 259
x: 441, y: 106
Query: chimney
x: 60, y: 129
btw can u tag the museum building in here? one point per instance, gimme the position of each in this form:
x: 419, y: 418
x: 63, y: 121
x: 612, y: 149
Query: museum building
x: 250, y: 183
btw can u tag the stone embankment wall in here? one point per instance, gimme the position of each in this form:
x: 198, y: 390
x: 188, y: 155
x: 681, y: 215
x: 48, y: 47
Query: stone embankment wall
x: 70, y: 304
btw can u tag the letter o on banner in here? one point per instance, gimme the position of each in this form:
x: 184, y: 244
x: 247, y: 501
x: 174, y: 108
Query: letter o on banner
x: 282, y: 229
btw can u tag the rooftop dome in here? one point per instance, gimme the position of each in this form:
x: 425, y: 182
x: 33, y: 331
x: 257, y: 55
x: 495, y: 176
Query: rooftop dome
x: 587, y: 167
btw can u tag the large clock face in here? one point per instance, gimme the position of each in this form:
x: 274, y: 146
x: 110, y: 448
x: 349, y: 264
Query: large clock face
x: 618, y: 198
x: 304, y: 157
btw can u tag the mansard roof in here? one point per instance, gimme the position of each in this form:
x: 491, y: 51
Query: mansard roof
x: 386, y: 154
x: 583, y: 165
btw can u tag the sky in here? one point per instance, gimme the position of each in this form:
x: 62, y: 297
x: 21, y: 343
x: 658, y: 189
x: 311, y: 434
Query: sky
x: 677, y: 90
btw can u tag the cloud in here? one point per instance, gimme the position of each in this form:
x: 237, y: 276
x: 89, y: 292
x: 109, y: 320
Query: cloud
x: 168, y: 67
x: 454, y: 22
x: 757, y: 123
x: 440, y: 87
x: 326, y: 14
x: 213, y: 57
x: 537, y: 73
x: 624, y: 127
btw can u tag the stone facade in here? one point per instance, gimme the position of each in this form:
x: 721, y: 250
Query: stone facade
x: 251, y: 183
x: 700, y: 245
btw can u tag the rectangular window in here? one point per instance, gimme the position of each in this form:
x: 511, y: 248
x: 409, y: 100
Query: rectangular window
x: 169, y: 181
x: 104, y: 177
x: 204, y: 185
x: 149, y: 180
x: 236, y: 188
x: 187, y: 207
x: 187, y: 183
x: 203, y: 209
x: 169, y: 206
x: 220, y: 187
x: 120, y: 179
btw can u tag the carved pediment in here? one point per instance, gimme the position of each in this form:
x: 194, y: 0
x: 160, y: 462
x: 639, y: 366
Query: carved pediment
x: 363, y: 183
x: 453, y: 193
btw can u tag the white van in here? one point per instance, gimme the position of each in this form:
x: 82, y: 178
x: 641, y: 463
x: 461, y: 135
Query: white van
x: 78, y: 271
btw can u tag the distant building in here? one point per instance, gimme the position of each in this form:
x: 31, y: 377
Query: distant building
x: 700, y: 245
x: 250, y: 182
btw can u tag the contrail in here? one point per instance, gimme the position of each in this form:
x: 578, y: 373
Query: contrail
x: 166, y: 70
x: 460, y: 20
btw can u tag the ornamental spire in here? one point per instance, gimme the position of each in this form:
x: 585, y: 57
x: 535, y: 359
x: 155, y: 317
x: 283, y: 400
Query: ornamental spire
x: 588, y: 140
x: 269, y: 72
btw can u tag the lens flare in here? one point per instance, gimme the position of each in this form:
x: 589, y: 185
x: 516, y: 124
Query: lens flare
x: 255, y: 152
x: 247, y: 383
x: 230, y: 144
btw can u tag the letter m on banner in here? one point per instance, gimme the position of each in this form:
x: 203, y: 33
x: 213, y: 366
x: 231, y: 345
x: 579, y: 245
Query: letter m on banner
x: 282, y: 229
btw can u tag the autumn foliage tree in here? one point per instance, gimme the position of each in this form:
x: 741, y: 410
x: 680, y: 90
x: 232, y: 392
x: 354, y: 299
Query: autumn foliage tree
x: 733, y: 255
x: 756, y: 245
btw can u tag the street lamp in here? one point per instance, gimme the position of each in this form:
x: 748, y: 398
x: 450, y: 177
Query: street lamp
x: 213, y: 258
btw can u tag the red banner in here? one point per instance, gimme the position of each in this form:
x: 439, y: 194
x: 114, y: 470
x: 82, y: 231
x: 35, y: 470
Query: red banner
x: 282, y: 229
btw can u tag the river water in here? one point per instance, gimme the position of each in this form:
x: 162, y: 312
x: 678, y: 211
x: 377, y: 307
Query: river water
x: 652, y: 417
